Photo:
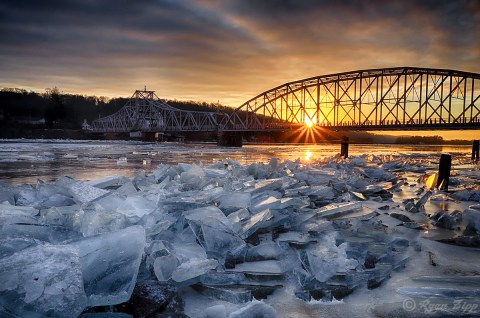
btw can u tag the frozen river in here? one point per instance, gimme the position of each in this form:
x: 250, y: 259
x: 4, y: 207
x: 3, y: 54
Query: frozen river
x: 26, y: 161
x: 208, y: 230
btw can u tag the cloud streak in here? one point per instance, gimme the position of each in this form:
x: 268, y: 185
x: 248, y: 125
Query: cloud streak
x: 224, y: 50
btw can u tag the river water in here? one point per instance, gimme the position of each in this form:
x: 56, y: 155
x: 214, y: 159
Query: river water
x: 26, y: 161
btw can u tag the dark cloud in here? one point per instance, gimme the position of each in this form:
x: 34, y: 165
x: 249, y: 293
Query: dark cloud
x: 224, y: 50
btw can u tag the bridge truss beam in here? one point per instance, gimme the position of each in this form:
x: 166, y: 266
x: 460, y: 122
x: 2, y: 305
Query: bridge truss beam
x: 387, y: 99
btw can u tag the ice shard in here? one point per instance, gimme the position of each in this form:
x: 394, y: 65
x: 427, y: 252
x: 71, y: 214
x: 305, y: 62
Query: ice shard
x: 43, y: 280
x: 110, y: 264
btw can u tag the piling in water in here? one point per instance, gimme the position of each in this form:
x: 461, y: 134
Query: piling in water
x: 475, y: 150
x: 344, y: 148
x: 444, y: 171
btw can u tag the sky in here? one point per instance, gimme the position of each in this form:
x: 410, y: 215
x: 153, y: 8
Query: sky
x: 224, y: 51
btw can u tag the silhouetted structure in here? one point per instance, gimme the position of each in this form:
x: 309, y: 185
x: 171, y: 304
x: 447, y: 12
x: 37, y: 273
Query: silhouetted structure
x: 378, y: 99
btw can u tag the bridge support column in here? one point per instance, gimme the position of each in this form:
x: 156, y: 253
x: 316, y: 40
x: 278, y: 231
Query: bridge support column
x: 229, y: 139
x: 444, y: 172
x: 475, y: 150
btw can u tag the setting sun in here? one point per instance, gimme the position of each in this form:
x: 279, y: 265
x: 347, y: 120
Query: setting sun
x: 308, y: 122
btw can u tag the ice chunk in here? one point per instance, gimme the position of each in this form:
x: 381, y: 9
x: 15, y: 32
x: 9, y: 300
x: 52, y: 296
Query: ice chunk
x: 472, y: 216
x: 254, y: 309
x: 301, y: 190
x: 256, y: 222
x: 233, y: 295
x: 81, y: 191
x: 7, y: 194
x: 270, y: 267
x: 265, y: 203
x: 321, y: 193
x: 44, y: 280
x: 10, y: 246
x: 110, y: 264
x: 189, y: 273
x: 187, y: 251
x: 216, y: 238
x: 269, y: 184
x: 218, y: 311
x: 325, y: 259
x: 421, y: 202
x: 126, y: 189
x: 214, y: 278
x: 338, y: 209
x: 215, y: 173
x: 157, y: 222
x: 192, y: 177
x: 238, y: 216
x: 96, y: 219
x: 207, y: 212
x: 294, y: 202
x: 26, y: 195
x: 164, y: 266
x: 108, y: 182
x: 235, y: 200
x: 136, y: 206
x: 8, y: 211
x: 43, y: 232
x: 264, y: 251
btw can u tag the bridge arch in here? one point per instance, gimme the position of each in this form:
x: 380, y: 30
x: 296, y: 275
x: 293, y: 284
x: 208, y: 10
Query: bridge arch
x: 387, y: 98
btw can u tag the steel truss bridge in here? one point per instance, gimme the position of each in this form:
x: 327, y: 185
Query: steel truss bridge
x: 145, y: 112
x: 377, y: 99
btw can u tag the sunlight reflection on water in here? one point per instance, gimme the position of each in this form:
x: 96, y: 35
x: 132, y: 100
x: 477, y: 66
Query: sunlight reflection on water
x: 27, y: 160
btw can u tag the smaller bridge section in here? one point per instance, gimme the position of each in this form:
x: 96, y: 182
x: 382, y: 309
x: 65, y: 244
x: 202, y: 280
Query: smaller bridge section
x: 145, y: 112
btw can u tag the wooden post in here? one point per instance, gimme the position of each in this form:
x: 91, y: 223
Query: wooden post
x: 444, y: 172
x: 344, y: 148
x: 475, y: 150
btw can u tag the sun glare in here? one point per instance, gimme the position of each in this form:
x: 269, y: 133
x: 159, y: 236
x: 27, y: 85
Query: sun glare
x: 308, y: 122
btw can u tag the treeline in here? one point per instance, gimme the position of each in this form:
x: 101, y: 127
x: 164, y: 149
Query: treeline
x: 420, y: 140
x: 54, y: 109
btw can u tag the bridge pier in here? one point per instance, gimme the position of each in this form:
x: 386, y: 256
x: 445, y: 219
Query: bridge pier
x: 226, y: 139
x: 475, y: 150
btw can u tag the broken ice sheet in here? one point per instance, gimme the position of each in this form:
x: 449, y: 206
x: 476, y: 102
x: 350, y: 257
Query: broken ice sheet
x: 325, y: 259
x: 44, y: 279
x: 337, y: 209
x: 235, y: 200
x: 187, y: 251
x: 216, y: 238
x: 136, y: 206
x: 94, y: 219
x: 207, y: 212
x: 189, y: 273
x: 81, y: 191
x: 265, y: 203
x: 255, y: 222
x: 110, y: 264
x: 267, y: 184
x: 270, y: 267
x: 12, y: 213
x: 164, y: 266
x: 193, y: 177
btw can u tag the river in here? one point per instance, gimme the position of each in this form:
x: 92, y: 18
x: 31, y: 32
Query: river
x: 26, y: 161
